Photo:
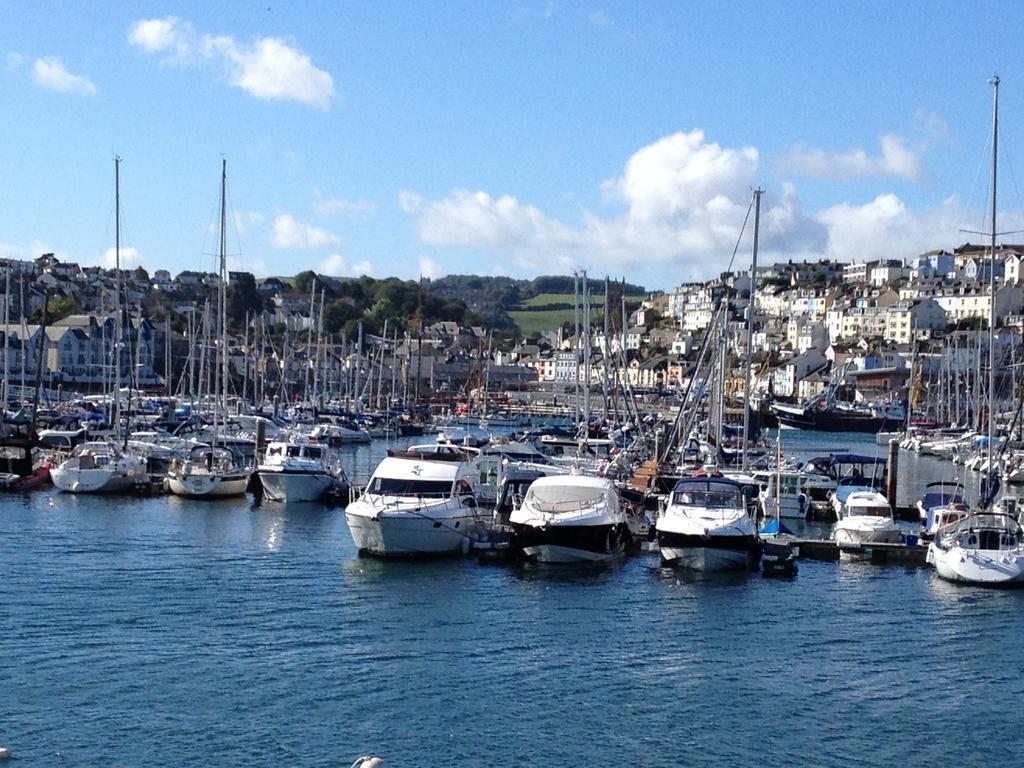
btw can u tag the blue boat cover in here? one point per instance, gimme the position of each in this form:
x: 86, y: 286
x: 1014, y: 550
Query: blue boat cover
x: 774, y: 527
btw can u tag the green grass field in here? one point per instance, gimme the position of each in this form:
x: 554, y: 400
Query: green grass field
x: 532, y: 322
x: 542, y: 299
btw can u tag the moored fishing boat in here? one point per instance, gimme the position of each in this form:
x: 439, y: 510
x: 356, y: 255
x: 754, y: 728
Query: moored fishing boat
x: 826, y: 413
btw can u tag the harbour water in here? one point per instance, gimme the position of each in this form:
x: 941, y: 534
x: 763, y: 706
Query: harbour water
x: 161, y: 631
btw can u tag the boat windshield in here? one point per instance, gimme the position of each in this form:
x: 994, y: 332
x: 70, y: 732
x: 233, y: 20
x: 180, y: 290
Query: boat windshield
x: 409, y: 486
x: 562, y: 499
x: 709, y: 498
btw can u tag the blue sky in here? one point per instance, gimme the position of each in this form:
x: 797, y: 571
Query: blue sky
x: 520, y: 138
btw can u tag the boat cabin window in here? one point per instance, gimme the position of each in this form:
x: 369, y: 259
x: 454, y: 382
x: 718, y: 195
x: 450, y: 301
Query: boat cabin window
x: 274, y: 450
x: 405, y: 486
x: 790, y: 485
x: 310, y: 451
x: 869, y: 510
x: 992, y: 540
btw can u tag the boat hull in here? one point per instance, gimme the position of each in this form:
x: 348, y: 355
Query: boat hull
x: 708, y: 553
x: 831, y: 421
x: 24, y: 483
x: 208, y: 485
x: 294, y: 486
x: 409, y: 533
x: 94, y: 480
x: 980, y: 568
x: 570, y: 543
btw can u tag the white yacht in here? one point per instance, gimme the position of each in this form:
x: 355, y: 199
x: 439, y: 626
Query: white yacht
x: 706, y: 526
x: 983, y: 548
x: 418, y: 502
x: 298, y: 470
x: 208, y: 472
x: 866, y: 519
x: 570, y: 518
x: 99, y: 467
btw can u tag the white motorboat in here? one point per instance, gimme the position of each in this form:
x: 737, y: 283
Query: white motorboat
x: 866, y: 519
x: 298, y: 470
x: 418, y: 502
x: 99, y: 467
x: 208, y: 472
x: 706, y: 526
x: 983, y: 548
x: 570, y: 519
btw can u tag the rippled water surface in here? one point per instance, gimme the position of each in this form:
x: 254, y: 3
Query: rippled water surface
x: 146, y: 632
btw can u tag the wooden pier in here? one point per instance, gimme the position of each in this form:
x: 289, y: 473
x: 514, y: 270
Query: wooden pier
x: 890, y: 554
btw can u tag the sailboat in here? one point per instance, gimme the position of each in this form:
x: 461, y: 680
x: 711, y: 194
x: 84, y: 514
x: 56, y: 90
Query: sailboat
x: 105, y: 466
x: 986, y: 547
x: 211, y: 470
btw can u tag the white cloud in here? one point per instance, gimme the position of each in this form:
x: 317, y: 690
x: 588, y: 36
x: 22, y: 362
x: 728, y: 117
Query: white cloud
x: 244, y: 220
x: 337, y: 265
x: 429, y: 268
x: 523, y: 14
x: 50, y: 73
x: 333, y: 206
x: 30, y: 251
x: 269, y: 68
x: 895, y: 159
x: 130, y: 258
x: 684, y: 201
x: 169, y: 34
x: 930, y: 129
x: 290, y: 233
x: 410, y: 202
x: 885, y: 227
x: 681, y: 174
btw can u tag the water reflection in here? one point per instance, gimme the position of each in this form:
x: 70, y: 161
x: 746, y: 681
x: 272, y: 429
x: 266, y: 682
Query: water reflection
x: 586, y: 574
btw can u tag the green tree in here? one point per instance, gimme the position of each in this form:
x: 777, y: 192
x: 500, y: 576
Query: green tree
x: 304, y: 281
x: 243, y: 297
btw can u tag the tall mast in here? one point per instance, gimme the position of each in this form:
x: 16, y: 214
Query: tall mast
x: 586, y: 355
x: 747, y: 399
x: 115, y: 412
x: 992, y: 287
x: 7, y: 333
x: 606, y: 350
x: 223, y: 286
